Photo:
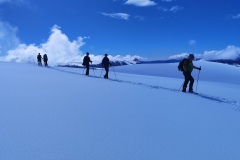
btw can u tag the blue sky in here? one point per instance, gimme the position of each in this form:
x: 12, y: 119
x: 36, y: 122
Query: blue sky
x: 153, y: 29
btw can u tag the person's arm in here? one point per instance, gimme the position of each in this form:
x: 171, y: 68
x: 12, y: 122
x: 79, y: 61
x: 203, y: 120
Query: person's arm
x: 199, y: 68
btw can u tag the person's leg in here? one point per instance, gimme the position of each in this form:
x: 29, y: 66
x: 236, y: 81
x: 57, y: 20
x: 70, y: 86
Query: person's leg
x: 191, y: 83
x: 185, y: 82
x: 105, y: 76
x: 107, y: 70
x: 87, y: 69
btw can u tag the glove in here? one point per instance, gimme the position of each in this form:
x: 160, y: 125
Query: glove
x: 199, y: 69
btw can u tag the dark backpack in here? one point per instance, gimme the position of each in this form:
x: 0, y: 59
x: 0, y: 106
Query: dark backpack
x: 84, y: 61
x: 45, y: 57
x: 180, y: 65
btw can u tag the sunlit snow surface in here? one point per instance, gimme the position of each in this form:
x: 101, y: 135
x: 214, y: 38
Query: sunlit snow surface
x: 59, y: 113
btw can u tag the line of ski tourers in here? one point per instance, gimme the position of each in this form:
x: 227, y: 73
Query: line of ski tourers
x: 186, y: 66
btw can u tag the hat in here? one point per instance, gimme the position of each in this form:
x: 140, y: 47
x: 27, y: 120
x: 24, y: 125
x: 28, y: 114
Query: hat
x: 87, y: 53
x: 106, y: 54
x: 191, y: 56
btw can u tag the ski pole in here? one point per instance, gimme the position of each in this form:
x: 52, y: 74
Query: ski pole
x: 101, y: 73
x: 93, y: 71
x: 180, y: 87
x: 114, y: 73
x: 198, y: 78
x: 83, y: 70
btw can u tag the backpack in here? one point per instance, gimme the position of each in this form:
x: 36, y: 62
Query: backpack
x: 180, y: 65
x: 45, y: 57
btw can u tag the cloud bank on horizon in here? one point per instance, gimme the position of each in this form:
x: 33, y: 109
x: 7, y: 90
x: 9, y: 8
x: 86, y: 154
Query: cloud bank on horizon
x: 58, y: 47
x: 230, y: 52
x: 61, y: 50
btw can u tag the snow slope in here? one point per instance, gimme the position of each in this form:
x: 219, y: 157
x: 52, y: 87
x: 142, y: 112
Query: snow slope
x: 59, y: 113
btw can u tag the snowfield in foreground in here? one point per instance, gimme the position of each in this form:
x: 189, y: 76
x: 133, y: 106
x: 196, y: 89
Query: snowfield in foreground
x: 58, y: 113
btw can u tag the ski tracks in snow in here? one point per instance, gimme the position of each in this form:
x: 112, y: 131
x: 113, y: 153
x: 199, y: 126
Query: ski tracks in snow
x: 235, y: 105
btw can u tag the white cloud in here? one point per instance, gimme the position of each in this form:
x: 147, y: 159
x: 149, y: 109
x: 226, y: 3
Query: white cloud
x: 8, y: 37
x: 127, y: 58
x: 124, y: 16
x: 184, y: 55
x: 192, y: 42
x: 236, y: 16
x: 231, y: 52
x: 60, y: 50
x: 141, y: 3
x: 172, y: 9
x: 16, y: 2
x: 175, y: 8
x: 179, y: 56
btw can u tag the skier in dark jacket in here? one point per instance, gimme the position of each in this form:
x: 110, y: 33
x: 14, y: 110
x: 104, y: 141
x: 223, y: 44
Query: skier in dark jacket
x: 106, y: 63
x: 86, y: 61
x: 45, y: 59
x: 39, y: 59
x: 187, y: 70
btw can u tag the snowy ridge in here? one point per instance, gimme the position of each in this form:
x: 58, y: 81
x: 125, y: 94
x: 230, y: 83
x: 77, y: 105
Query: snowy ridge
x: 234, y: 103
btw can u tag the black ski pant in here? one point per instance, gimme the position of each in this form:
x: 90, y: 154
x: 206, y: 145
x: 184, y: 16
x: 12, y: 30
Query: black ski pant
x: 87, y: 69
x: 45, y: 63
x: 107, y: 70
x: 188, y: 77
x: 40, y: 63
